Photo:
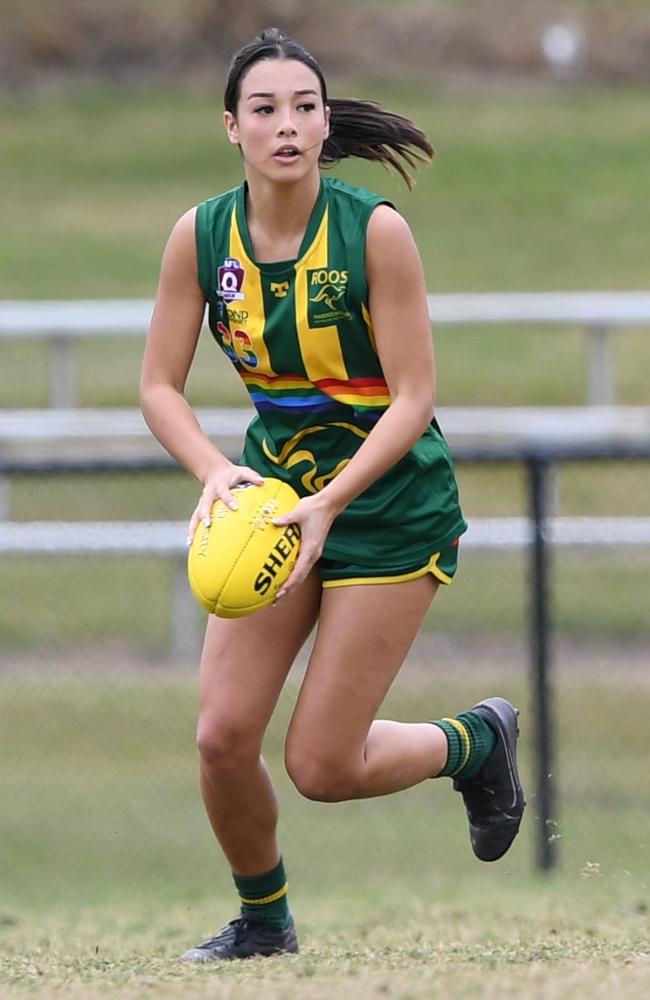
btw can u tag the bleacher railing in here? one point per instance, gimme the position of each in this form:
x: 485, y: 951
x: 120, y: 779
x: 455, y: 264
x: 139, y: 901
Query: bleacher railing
x: 600, y: 314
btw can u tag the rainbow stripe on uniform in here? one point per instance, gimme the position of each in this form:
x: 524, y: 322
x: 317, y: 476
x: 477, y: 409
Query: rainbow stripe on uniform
x: 295, y: 393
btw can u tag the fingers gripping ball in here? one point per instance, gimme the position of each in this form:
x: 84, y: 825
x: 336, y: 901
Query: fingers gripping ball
x: 237, y: 565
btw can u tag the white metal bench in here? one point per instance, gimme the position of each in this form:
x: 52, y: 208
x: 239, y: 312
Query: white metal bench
x: 62, y: 323
x: 64, y: 433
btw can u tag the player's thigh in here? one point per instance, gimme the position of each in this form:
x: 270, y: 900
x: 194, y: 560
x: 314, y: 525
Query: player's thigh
x: 364, y: 633
x: 245, y: 661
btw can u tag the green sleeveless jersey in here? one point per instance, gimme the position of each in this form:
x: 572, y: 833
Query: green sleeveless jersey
x: 300, y: 335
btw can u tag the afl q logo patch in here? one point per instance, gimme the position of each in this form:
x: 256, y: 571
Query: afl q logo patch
x: 230, y: 278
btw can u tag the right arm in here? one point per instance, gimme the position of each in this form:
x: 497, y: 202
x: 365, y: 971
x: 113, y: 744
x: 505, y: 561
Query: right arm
x: 171, y: 344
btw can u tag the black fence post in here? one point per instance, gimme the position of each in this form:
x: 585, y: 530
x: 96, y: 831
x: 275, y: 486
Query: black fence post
x: 540, y: 639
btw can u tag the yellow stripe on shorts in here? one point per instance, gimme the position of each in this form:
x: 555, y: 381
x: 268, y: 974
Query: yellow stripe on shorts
x: 430, y: 567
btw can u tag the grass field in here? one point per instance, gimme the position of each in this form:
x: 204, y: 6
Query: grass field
x: 119, y: 872
x: 535, y: 947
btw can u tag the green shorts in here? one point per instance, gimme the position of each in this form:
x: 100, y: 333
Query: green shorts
x: 442, y: 565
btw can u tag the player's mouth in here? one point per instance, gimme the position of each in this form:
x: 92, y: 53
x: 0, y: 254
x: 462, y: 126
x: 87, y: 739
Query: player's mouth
x: 286, y: 154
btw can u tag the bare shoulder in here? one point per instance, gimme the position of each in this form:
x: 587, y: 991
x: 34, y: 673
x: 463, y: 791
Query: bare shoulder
x: 178, y: 310
x: 186, y: 222
x: 386, y: 219
x: 389, y: 232
x: 389, y: 237
x: 182, y: 234
x: 179, y: 259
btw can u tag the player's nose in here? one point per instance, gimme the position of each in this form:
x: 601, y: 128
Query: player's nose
x: 287, y: 126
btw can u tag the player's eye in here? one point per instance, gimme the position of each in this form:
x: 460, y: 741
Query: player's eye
x: 307, y: 106
x: 264, y: 109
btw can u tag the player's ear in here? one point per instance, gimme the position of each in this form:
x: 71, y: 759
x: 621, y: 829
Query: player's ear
x: 232, y: 129
x: 327, y: 122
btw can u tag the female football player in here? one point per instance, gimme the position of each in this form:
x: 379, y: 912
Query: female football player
x: 315, y: 291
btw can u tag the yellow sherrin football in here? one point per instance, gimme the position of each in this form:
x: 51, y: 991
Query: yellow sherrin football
x: 237, y: 565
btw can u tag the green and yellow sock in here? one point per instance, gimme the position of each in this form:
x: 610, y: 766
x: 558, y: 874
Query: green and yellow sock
x: 471, y: 741
x: 264, y: 897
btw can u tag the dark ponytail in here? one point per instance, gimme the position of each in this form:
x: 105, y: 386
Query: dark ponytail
x: 363, y: 129
x: 357, y: 128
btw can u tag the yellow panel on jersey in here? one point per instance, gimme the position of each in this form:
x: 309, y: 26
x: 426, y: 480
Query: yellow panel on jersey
x: 252, y: 304
x: 367, y: 319
x: 320, y: 349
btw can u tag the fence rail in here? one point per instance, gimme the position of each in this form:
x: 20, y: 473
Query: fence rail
x: 61, y: 435
x: 62, y: 323
x: 167, y: 538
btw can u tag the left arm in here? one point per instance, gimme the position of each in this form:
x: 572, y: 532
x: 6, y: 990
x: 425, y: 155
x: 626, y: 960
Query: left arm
x: 402, y: 330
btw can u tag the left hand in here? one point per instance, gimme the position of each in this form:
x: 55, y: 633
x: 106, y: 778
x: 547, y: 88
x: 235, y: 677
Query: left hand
x: 314, y: 516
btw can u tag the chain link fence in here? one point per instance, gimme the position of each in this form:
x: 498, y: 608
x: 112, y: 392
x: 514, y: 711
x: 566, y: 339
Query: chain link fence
x: 99, y: 643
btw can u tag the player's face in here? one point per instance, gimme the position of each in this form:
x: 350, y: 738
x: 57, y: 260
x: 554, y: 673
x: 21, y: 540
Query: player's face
x: 281, y: 122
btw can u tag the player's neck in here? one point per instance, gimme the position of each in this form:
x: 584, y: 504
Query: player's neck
x: 278, y: 215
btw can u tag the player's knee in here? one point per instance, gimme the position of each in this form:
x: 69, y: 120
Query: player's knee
x: 225, y: 745
x: 318, y: 778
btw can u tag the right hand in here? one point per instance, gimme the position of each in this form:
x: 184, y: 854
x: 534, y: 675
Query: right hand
x: 218, y: 486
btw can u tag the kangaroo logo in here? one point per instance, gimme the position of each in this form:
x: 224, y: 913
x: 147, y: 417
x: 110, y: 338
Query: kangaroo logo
x: 327, y: 288
x: 330, y: 295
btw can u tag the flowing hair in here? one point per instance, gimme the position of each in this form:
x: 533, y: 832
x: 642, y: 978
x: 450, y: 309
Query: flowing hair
x: 357, y: 128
